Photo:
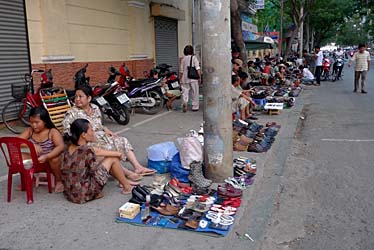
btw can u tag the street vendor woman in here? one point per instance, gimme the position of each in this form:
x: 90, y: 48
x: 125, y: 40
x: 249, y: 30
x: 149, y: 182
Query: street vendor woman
x: 106, y: 139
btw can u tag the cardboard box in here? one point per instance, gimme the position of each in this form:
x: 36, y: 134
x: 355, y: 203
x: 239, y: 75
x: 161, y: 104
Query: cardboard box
x: 129, y: 210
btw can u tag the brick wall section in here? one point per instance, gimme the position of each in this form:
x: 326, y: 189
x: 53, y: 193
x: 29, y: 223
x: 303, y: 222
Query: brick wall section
x: 63, y: 73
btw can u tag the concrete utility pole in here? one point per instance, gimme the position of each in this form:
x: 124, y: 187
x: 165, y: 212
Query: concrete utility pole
x: 216, y: 65
x: 301, y: 33
x: 281, y: 30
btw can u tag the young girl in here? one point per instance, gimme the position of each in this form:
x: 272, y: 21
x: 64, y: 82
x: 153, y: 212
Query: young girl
x: 47, y: 140
x: 85, y: 170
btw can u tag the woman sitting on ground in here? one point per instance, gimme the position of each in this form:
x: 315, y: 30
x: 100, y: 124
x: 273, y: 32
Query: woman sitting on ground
x: 47, y: 140
x: 85, y: 170
x: 241, y: 99
x: 106, y: 139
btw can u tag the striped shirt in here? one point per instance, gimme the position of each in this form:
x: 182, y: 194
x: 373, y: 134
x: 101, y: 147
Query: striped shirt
x: 47, y: 145
x: 361, y: 60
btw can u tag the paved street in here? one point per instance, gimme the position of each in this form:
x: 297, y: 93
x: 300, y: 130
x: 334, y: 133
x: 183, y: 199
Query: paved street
x: 325, y: 199
x: 312, y: 191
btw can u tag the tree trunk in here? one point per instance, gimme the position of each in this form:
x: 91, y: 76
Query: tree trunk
x: 289, y: 44
x: 307, y: 42
x: 236, y: 32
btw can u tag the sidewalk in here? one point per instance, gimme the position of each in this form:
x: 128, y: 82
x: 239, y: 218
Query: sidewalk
x: 53, y: 222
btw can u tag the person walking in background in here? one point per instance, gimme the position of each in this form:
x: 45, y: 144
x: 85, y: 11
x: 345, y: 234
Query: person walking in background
x: 189, y: 85
x: 318, y: 57
x: 362, y: 66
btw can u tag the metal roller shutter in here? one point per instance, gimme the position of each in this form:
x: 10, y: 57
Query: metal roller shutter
x: 166, y: 39
x: 14, y: 50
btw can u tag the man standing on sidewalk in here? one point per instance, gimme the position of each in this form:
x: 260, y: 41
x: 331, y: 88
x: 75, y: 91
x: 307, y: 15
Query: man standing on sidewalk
x: 318, y: 57
x: 362, y: 66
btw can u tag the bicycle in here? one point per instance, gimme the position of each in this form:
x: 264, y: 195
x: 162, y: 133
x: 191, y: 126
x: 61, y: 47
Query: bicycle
x: 15, y: 114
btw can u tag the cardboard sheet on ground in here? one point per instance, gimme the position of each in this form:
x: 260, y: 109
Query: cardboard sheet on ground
x: 206, y: 231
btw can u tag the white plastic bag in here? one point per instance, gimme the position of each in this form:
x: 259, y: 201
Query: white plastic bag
x: 162, y: 151
x: 190, y: 150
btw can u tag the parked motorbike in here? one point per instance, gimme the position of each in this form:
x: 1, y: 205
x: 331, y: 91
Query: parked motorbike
x: 110, y: 97
x: 337, y: 69
x: 113, y: 102
x: 170, y: 78
x: 146, y: 94
x: 325, y: 69
x: 80, y: 77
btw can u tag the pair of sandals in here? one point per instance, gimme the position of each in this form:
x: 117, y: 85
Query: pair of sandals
x: 165, y: 209
x: 146, y: 172
x: 219, y: 218
x: 192, y: 218
x: 236, y: 183
x: 229, y: 191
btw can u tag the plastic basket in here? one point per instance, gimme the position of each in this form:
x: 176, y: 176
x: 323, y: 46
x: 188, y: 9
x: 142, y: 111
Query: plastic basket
x: 19, y: 91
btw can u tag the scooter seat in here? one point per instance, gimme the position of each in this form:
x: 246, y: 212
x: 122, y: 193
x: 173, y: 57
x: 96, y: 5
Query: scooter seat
x: 140, y: 82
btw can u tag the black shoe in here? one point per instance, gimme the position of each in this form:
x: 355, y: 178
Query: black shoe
x: 363, y: 92
x: 355, y: 90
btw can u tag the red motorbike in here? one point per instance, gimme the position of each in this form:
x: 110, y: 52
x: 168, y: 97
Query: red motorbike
x: 326, y: 66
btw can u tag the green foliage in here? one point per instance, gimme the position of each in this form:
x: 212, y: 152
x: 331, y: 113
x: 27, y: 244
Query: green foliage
x: 269, y: 16
x: 346, y: 22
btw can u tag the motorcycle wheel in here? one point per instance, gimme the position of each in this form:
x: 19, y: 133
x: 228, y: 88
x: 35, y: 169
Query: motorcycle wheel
x: 121, y: 114
x: 159, y: 102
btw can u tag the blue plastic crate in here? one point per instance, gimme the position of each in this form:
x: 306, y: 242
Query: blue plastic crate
x: 261, y: 102
x: 160, y: 166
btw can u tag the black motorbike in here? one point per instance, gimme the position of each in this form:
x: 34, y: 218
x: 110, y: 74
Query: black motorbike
x: 110, y: 97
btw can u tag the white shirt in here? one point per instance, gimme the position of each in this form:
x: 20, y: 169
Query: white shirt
x: 307, y: 74
x: 339, y: 53
x: 186, y: 63
x: 361, y: 60
x: 319, y: 58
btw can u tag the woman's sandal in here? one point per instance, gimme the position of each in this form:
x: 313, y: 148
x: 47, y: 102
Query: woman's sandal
x: 59, y: 188
x: 146, y: 172
x: 99, y: 196
x: 132, y: 177
x: 126, y: 192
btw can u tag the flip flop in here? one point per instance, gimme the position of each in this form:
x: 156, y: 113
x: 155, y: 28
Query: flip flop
x: 147, y: 171
x: 126, y: 192
x: 59, y: 188
x: 99, y: 196
x: 134, y: 179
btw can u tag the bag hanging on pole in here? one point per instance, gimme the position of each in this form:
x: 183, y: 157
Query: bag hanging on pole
x: 192, y: 71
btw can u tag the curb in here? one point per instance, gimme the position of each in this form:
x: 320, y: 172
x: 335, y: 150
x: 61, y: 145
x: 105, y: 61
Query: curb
x: 258, y: 201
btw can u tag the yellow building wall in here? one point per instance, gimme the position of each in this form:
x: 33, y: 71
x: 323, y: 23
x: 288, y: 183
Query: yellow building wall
x: 97, y: 30
x: 34, y: 24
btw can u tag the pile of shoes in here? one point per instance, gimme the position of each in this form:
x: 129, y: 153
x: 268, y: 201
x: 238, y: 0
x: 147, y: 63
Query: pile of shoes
x: 263, y: 138
x: 245, y: 169
x: 253, y: 137
x: 295, y: 91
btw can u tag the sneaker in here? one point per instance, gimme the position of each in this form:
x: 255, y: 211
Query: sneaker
x: 363, y: 92
x: 184, y: 108
x: 355, y: 90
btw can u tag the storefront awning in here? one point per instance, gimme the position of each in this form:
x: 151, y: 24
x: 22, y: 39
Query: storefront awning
x: 257, y: 45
